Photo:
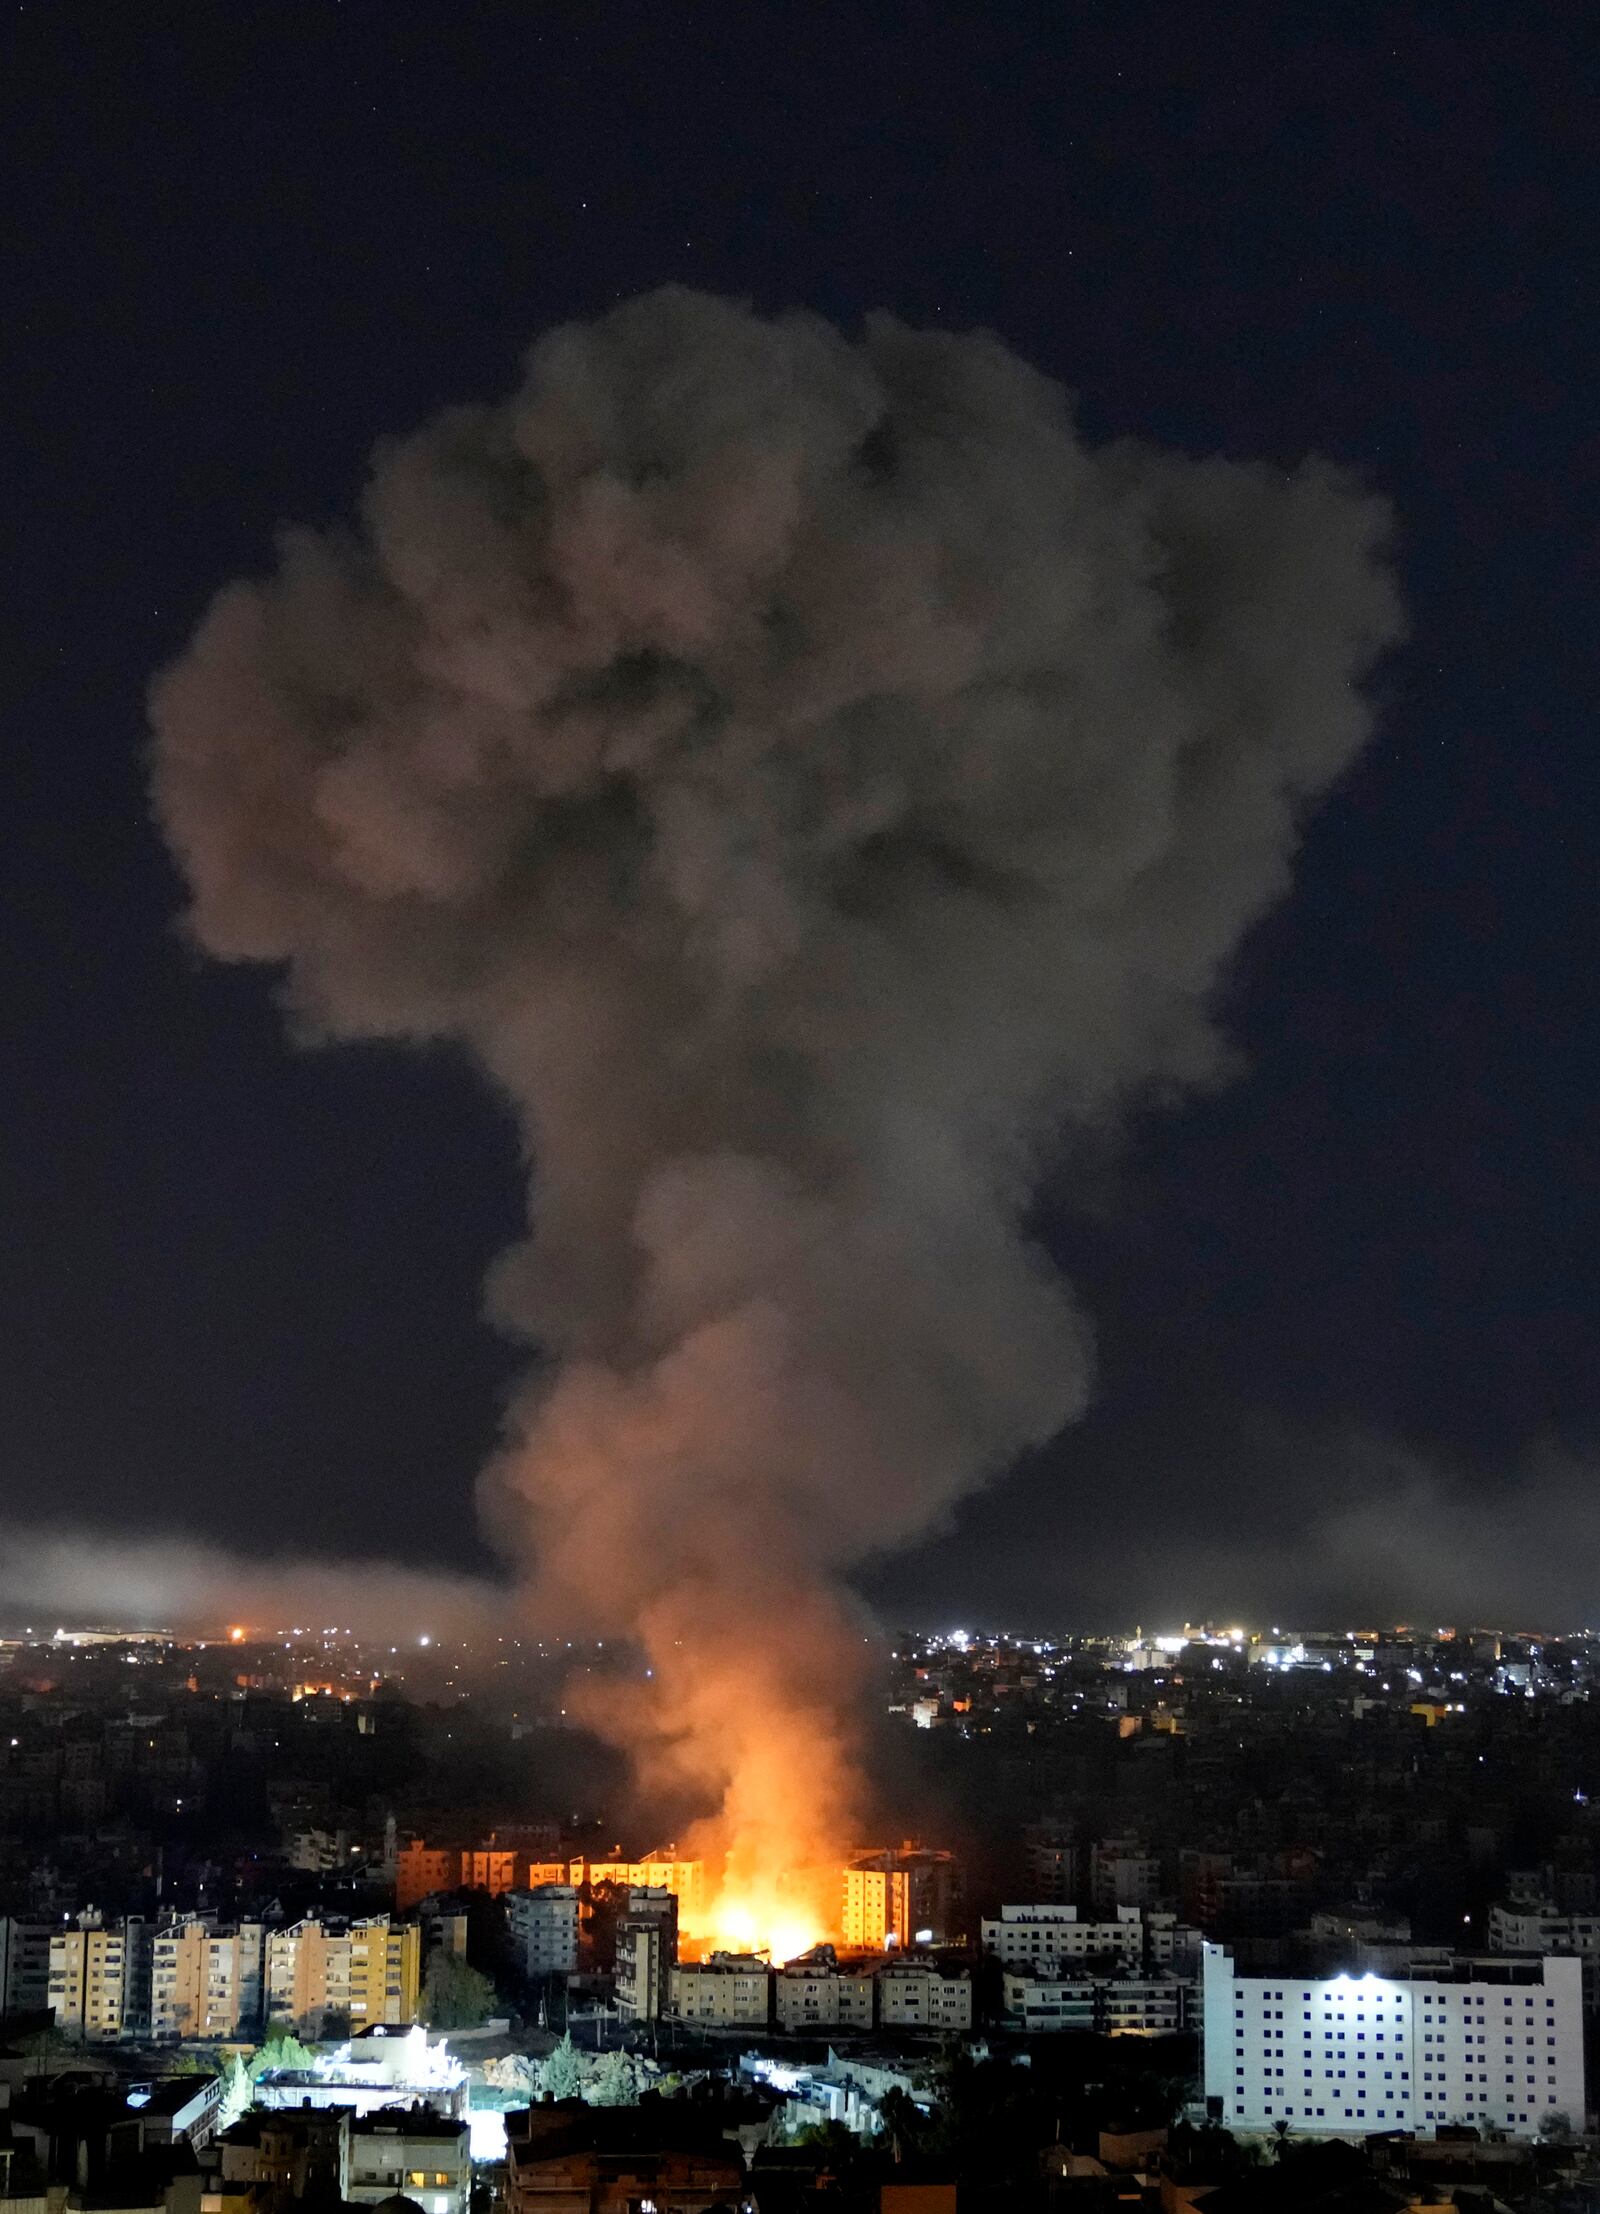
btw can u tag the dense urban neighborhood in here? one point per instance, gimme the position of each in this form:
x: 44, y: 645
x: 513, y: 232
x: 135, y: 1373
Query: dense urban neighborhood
x: 1197, y: 1913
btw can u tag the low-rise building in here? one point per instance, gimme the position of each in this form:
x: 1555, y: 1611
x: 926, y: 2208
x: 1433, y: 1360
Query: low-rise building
x: 918, y: 1994
x: 1040, y: 1997
x: 1041, y: 1934
x: 370, y: 2073
x: 420, y: 2155
x: 728, y: 1991
x: 297, y: 2154
x: 179, y: 2110
x: 816, y: 1992
x: 620, y: 2160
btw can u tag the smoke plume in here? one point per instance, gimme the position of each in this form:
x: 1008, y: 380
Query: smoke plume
x: 804, y: 776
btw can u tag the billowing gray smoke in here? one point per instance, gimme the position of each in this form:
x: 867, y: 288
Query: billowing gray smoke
x: 805, y: 777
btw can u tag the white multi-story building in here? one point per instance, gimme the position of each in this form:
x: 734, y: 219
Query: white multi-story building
x: 1526, y: 1926
x: 1488, y: 2041
x: 1047, y: 1997
x: 542, y: 1925
x: 1034, y: 1935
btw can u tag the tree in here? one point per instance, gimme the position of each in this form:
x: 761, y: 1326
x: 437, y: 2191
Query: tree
x: 455, y: 1995
x: 1554, y: 2127
x: 615, y: 2081
x: 238, y: 2091
x: 562, y: 2074
x: 279, y: 2049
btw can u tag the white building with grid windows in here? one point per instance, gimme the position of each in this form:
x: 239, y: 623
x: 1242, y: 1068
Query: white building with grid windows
x: 1497, y: 2042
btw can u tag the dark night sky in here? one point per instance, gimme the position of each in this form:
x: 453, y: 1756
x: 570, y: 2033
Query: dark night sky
x: 238, y: 1284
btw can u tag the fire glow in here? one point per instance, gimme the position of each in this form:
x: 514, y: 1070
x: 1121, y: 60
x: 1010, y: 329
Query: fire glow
x: 778, y: 1917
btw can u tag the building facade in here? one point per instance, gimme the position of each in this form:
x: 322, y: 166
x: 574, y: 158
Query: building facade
x: 916, y: 1994
x: 206, y: 1981
x: 323, y: 1976
x: 24, y: 1965
x: 1538, y: 1927
x: 100, y: 1979
x: 817, y: 1993
x: 1042, y: 1997
x: 419, y: 2155
x: 728, y: 1991
x: 901, y: 1897
x: 1038, y: 1934
x: 542, y: 1926
x: 1490, y: 2041
x: 646, y: 1954
x: 663, y: 1871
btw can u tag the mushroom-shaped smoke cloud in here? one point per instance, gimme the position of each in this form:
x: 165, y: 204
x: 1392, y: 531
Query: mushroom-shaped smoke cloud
x: 805, y: 777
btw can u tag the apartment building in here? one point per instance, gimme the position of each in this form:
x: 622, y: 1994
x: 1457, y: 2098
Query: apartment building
x: 899, y: 1897
x: 206, y: 1981
x: 730, y: 1990
x: 542, y: 1926
x: 420, y: 2155
x: 917, y: 1994
x: 816, y: 1993
x: 301, y: 2154
x: 621, y: 2160
x: 24, y: 1965
x: 445, y: 1927
x: 1123, y: 1873
x: 646, y: 1954
x: 1041, y: 1933
x: 1052, y: 1857
x: 877, y: 1907
x: 1527, y: 1926
x: 421, y: 1869
x: 1489, y: 2041
x: 100, y: 1978
x: 663, y: 1871
x: 1040, y: 1997
x: 323, y: 1976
